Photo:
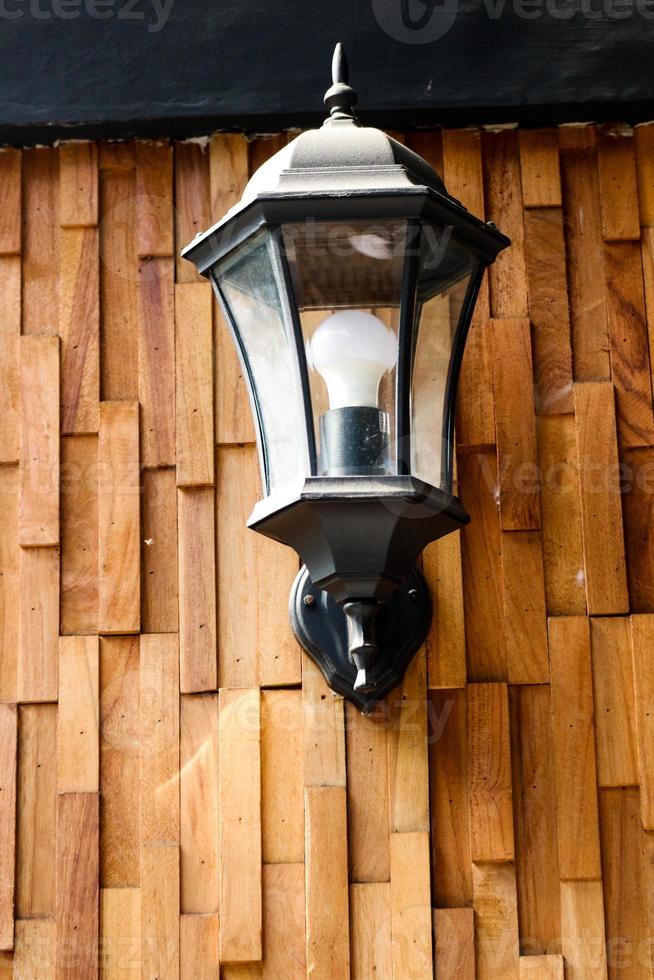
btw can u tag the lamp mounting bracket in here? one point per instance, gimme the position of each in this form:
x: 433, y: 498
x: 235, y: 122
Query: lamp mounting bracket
x: 321, y: 628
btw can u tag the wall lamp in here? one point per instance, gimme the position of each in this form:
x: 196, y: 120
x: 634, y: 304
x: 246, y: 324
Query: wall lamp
x: 348, y: 277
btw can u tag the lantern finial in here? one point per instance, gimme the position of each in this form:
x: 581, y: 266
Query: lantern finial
x: 340, y: 98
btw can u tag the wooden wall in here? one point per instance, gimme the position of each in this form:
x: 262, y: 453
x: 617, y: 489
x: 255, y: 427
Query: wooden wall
x: 164, y: 809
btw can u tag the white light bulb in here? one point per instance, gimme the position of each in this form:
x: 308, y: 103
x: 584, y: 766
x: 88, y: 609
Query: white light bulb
x: 352, y: 350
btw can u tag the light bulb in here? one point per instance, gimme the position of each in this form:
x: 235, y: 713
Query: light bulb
x: 352, y: 350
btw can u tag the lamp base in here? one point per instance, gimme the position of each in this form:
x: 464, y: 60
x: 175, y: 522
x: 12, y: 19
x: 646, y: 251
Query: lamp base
x: 320, y: 627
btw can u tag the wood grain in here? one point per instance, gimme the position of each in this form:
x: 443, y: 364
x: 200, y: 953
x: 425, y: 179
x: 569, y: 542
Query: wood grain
x: 79, y: 534
x: 606, y: 580
x: 154, y: 198
x: 160, y: 911
x: 583, y: 937
x: 38, y: 633
x: 446, y: 643
x: 36, y: 811
x: 78, y: 715
x: 454, y: 944
x: 119, y: 518
x: 282, y: 801
x: 79, y: 329
x: 78, y: 833
x: 159, y: 552
x: 192, y: 202
x: 78, y: 184
x: 617, y: 181
x: 613, y: 687
x: 120, y: 933
x: 156, y: 361
x: 39, y: 459
x: 199, y: 811
x: 515, y: 428
x: 642, y: 632
x: 327, y: 924
x: 370, y: 939
x: 525, y: 621
x: 368, y: 824
x: 573, y: 743
x: 489, y: 773
x: 411, y: 915
x: 8, y: 754
x: 539, y: 168
x: 10, y: 201
x: 10, y: 387
x: 240, y: 826
x: 194, y: 385
x: 159, y: 737
x: 197, y: 590
x: 503, y: 196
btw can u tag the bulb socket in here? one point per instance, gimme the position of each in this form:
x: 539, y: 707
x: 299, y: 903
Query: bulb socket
x: 354, y: 441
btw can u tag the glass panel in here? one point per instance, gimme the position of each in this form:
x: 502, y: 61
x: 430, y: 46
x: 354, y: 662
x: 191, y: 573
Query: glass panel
x: 443, y: 278
x: 347, y: 281
x: 248, y: 283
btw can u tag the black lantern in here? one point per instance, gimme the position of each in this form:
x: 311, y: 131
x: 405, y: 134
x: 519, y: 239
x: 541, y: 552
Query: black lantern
x: 348, y: 276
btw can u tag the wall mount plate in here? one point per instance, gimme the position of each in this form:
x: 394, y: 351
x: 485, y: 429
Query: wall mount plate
x: 320, y: 628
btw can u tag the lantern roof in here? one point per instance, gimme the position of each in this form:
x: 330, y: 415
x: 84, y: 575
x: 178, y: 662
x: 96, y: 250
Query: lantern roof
x: 345, y: 166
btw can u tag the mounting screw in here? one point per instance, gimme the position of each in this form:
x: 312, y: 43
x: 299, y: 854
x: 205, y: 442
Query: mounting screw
x: 413, y: 595
x: 491, y: 224
x: 309, y: 600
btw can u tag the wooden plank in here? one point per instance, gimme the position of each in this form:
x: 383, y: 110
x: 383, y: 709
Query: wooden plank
x: 40, y: 244
x: 327, y: 925
x: 9, y: 582
x: 411, y: 915
x: 577, y: 136
x: 428, y: 145
x: 563, y: 553
x: 539, y: 168
x: 408, y: 759
x: 10, y: 391
x: 454, y: 944
x: 159, y: 723
x: 280, y: 656
x: 79, y: 534
x: 503, y: 190
x: 638, y: 517
x: 644, y: 149
x: 525, y: 619
x: 39, y: 460
x: 515, y: 428
x: 192, y: 202
x: 118, y: 157
x: 323, y: 730
x: 194, y: 384
x: 240, y: 826
x: 541, y: 967
x: 10, y: 201
x: 370, y: 930
x: 236, y: 493
x: 120, y: 934
x: 584, y: 249
x: 79, y: 328
x: 38, y: 625
x: 573, y: 744
x: 118, y: 282
x: 199, y: 942
x: 282, y: 800
x: 36, y: 811
x: 534, y: 808
x: 78, y: 832
x: 615, y: 710
x: 462, y: 172
x: 582, y: 930
x: 78, y: 184
x: 446, y: 642
x: 283, y: 922
x: 197, y: 590
x: 156, y: 361
x: 624, y: 883
x: 78, y: 717
x: 154, y: 199
x: 159, y: 552
x: 368, y: 825
x: 496, y: 922
x: 262, y: 148
x: 8, y: 754
x: 606, y: 580
x: 482, y: 576
x: 617, y: 184
x: 120, y: 814
x: 198, y: 763
x: 36, y: 949
x: 630, y: 367
x: 548, y: 310
x: 647, y: 259
x: 160, y: 911
x: 489, y: 773
x: 642, y: 636
x: 228, y: 160
x: 119, y: 518
x: 450, y: 819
